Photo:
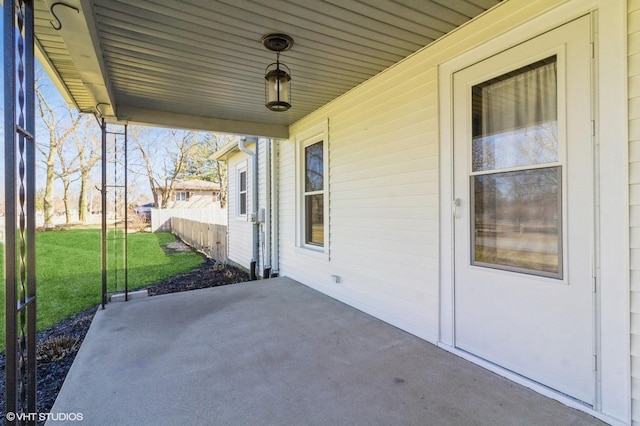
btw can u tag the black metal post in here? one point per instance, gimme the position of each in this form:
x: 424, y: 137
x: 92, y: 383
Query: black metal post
x: 126, y: 215
x: 30, y: 122
x: 114, y: 145
x: 20, y: 255
x: 103, y: 211
x: 11, y: 379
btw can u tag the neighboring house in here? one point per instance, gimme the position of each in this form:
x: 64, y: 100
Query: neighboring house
x: 194, y: 194
x: 475, y: 195
x: 197, y: 200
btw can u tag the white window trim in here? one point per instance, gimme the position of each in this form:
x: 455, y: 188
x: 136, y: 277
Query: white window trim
x: 315, y: 134
x: 240, y: 169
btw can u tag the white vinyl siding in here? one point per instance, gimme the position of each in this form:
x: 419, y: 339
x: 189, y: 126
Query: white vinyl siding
x: 239, y: 230
x: 384, y: 197
x: 382, y: 201
x: 634, y: 198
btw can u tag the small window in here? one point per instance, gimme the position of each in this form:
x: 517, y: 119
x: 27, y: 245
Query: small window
x: 314, y: 194
x: 242, y: 192
x: 312, y: 190
x: 182, y: 196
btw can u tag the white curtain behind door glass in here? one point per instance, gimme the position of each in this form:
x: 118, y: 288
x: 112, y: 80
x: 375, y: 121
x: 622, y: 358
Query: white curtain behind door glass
x: 517, y: 214
x: 515, y: 119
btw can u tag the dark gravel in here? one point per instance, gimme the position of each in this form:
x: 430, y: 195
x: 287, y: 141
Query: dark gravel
x: 57, y: 346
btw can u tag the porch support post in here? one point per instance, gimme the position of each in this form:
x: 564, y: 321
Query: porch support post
x: 20, y: 257
x: 103, y: 211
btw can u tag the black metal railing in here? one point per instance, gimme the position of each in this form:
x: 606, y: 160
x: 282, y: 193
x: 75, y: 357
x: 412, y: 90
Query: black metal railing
x: 115, y: 207
x: 20, y: 254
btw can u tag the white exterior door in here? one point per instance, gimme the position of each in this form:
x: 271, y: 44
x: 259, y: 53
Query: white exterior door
x: 524, y: 223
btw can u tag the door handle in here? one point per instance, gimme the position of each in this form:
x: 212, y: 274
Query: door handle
x: 454, y: 208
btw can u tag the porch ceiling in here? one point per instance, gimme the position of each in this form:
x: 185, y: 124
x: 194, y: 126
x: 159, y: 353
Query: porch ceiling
x: 200, y: 64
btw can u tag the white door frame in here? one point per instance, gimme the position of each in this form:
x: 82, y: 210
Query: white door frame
x: 613, y: 394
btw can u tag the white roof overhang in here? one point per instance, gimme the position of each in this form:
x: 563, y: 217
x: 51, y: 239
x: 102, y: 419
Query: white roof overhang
x: 200, y: 64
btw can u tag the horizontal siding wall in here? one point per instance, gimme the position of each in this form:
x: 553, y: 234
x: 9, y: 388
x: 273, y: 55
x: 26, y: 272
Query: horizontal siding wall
x: 239, y: 230
x: 287, y: 256
x: 634, y: 196
x: 384, y: 181
x: 383, y: 156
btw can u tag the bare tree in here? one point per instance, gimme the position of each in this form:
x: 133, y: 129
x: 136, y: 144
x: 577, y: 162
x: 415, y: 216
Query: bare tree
x: 163, y: 163
x: 59, y: 130
x: 88, y: 156
x: 67, y: 174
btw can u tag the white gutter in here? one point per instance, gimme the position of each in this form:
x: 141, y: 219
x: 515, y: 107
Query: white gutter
x: 275, y: 216
x: 267, y: 216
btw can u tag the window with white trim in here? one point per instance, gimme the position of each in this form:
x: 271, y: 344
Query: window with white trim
x: 312, y: 154
x: 314, y: 194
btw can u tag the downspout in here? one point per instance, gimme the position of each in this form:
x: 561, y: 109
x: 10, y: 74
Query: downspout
x: 266, y: 261
x: 253, y: 217
x: 275, y: 203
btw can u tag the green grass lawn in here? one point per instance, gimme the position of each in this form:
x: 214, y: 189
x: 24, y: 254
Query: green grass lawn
x: 69, y: 273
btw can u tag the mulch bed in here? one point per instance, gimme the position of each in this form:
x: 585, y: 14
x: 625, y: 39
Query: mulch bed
x: 57, y: 346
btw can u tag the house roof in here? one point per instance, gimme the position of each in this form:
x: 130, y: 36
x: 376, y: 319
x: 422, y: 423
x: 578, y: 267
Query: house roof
x: 196, y: 185
x: 200, y: 65
x: 226, y: 150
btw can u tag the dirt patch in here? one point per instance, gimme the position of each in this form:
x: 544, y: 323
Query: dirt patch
x: 176, y: 247
x: 209, y: 274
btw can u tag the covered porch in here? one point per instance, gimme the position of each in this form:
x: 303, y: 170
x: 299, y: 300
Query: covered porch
x: 277, y: 352
x: 373, y: 85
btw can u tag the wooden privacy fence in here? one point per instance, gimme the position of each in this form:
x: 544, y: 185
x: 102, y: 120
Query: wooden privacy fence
x: 209, y: 238
x: 161, y: 218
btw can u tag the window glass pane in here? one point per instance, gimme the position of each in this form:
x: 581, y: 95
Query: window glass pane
x: 515, y: 118
x: 243, y: 203
x: 313, y: 161
x: 243, y: 181
x: 516, y: 221
x: 314, y: 219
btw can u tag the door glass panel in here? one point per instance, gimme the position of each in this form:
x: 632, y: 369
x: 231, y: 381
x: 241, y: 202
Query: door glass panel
x: 515, y: 118
x: 517, y: 221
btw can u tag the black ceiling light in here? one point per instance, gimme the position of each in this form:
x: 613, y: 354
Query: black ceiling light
x: 277, y: 77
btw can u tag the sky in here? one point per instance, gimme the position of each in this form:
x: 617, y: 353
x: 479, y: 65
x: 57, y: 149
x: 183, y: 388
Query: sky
x: 55, y: 98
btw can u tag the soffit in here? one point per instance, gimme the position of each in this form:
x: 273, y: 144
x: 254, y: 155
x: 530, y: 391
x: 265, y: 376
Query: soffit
x: 200, y: 64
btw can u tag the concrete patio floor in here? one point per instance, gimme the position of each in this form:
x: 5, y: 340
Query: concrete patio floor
x: 276, y: 352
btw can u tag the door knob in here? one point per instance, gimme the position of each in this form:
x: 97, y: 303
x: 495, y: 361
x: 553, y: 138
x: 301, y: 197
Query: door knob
x: 456, y: 203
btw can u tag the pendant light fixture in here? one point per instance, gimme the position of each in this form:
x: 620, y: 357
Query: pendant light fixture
x: 277, y: 77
